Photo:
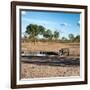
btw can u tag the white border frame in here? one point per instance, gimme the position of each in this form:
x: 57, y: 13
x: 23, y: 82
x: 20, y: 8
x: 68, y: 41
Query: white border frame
x: 52, y: 79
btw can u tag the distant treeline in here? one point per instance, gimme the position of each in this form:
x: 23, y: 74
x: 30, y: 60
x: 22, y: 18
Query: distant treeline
x: 34, y: 31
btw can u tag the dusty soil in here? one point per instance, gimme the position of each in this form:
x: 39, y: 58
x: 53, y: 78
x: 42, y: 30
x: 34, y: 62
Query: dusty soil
x: 50, y: 67
x: 40, y: 71
x: 74, y: 48
x: 39, y: 67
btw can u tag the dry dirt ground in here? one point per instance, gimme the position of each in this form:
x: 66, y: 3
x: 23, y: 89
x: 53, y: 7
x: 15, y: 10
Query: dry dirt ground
x: 51, y: 46
x: 40, y: 71
x: 39, y: 67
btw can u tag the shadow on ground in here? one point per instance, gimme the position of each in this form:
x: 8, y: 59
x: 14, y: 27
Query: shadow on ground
x: 52, y: 61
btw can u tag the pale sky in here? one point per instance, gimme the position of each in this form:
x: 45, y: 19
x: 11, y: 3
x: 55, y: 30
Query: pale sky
x: 64, y: 23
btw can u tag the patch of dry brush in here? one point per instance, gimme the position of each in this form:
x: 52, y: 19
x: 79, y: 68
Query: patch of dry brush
x: 51, y: 46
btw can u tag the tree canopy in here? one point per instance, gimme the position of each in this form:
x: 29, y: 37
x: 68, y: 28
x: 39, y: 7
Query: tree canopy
x: 33, y: 31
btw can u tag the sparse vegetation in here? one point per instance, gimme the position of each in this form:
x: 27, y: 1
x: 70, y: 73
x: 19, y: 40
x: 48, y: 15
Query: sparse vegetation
x: 50, y: 41
x: 33, y: 31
